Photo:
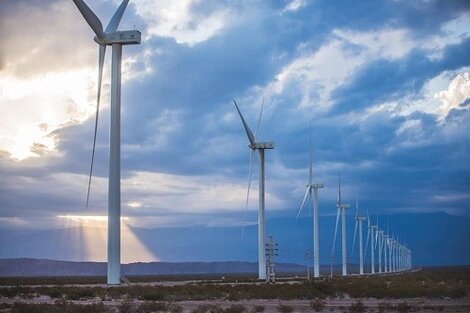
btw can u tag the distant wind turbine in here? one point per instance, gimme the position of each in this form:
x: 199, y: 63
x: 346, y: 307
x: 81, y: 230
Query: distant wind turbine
x: 110, y: 36
x: 341, y: 209
x: 370, y: 234
x: 359, y: 220
x: 314, y: 202
x: 260, y: 146
x: 386, y: 243
x: 379, y: 242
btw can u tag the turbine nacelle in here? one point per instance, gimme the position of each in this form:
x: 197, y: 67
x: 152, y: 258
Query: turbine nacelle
x: 262, y: 145
x: 126, y: 37
x: 316, y: 185
x: 343, y: 206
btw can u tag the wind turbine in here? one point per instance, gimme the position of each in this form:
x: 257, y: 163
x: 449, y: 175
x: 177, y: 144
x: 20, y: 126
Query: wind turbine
x: 341, y: 208
x: 308, y: 193
x: 111, y: 37
x: 386, y: 250
x: 260, y: 146
x: 380, y: 243
x: 392, y: 254
x: 397, y: 245
x: 370, y: 233
x: 386, y: 243
x: 359, y: 220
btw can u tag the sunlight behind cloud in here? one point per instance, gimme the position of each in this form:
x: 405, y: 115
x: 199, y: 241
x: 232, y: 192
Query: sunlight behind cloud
x: 32, y: 109
x: 93, y: 234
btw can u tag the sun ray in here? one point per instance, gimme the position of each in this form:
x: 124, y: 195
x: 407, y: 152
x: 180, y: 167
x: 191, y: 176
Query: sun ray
x: 93, y: 238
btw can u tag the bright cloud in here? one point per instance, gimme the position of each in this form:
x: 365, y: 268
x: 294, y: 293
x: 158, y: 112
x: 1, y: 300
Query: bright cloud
x: 316, y: 75
x: 175, y: 19
x: 294, y: 5
x: 165, y: 192
x: 455, y: 96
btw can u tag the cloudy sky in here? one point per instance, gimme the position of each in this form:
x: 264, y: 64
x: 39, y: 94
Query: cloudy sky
x: 385, y: 85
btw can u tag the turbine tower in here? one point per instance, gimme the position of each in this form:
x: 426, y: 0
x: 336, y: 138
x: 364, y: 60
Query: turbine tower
x: 111, y: 37
x: 308, y: 193
x: 390, y: 262
x: 386, y: 243
x: 392, y: 254
x: 359, y: 220
x: 260, y: 146
x: 380, y: 243
x: 341, y: 208
x: 370, y: 234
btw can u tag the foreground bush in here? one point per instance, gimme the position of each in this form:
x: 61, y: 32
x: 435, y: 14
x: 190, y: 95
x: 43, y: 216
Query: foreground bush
x: 357, y: 307
x: 427, y: 283
x: 317, y: 305
x: 285, y: 308
x: 149, y: 307
x: 404, y: 307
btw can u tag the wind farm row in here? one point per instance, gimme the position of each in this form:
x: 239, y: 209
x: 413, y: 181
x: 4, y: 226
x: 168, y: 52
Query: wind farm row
x: 396, y: 256
x: 392, y: 255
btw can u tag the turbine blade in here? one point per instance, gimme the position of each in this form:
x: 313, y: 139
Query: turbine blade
x: 354, y: 239
x: 336, y: 230
x: 303, y: 202
x: 90, y: 18
x: 247, y: 193
x: 368, y: 218
x: 376, y: 238
x: 259, y: 119
x: 310, y: 171
x: 250, y: 135
x: 357, y: 207
x: 339, y: 188
x: 102, y: 53
x: 367, y: 242
x: 116, y: 19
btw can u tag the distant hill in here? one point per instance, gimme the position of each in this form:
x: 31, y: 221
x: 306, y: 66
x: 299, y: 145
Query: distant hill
x: 40, y: 267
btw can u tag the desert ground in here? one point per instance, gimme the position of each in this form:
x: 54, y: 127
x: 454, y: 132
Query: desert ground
x: 428, y: 290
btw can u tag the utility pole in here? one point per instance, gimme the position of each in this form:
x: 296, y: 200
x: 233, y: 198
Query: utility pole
x: 270, y: 252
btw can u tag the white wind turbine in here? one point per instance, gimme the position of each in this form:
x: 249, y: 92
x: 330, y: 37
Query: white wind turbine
x: 341, y: 208
x: 260, y: 146
x: 379, y: 241
x: 386, y: 243
x: 314, y: 202
x: 392, y: 254
x: 359, y: 220
x: 370, y: 233
x: 389, y: 249
x: 110, y: 36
